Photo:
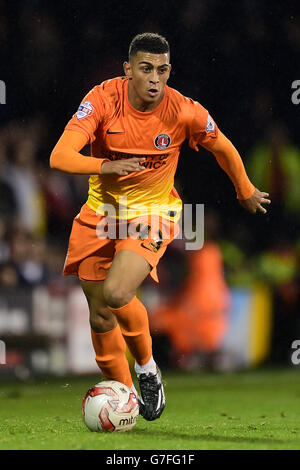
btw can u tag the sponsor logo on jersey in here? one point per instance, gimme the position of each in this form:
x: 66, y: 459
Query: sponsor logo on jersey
x: 85, y: 109
x: 162, y: 141
x: 153, y: 161
x: 210, y: 126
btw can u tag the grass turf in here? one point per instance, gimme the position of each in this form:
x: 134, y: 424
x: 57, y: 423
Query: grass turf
x: 242, y: 411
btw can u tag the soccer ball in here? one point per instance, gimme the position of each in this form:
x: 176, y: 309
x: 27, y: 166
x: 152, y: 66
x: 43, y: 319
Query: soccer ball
x: 110, y: 406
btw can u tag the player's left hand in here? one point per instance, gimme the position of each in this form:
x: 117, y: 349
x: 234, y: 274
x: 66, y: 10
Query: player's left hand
x: 254, y: 203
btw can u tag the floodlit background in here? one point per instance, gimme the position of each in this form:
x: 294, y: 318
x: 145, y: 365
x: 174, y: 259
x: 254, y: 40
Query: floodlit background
x: 234, y: 304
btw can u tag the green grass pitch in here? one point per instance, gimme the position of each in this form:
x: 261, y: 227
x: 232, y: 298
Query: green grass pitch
x: 205, y: 411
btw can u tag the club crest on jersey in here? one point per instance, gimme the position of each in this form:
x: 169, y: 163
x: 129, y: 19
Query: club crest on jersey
x: 85, y: 109
x: 162, y: 141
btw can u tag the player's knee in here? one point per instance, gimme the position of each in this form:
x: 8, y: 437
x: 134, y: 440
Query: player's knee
x: 116, y: 296
x: 101, y: 324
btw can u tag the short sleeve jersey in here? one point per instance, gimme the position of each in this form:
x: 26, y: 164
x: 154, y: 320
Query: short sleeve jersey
x: 116, y: 130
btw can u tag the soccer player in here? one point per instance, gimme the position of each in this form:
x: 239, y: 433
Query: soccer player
x: 136, y: 125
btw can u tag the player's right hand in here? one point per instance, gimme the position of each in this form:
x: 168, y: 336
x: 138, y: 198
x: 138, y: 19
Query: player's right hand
x: 122, y: 167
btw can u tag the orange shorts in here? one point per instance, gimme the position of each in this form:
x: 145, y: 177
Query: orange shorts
x: 95, y: 240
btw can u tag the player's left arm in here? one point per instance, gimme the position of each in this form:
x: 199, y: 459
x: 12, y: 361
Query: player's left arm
x: 227, y: 156
x: 202, y: 130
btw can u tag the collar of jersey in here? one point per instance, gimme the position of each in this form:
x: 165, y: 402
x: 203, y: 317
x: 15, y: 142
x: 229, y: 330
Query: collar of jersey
x: 142, y: 114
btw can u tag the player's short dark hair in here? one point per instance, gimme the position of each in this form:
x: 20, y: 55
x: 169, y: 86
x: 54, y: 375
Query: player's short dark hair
x: 149, y: 42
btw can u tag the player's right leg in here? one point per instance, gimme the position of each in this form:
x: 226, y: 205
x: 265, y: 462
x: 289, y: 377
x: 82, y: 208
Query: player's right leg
x: 89, y: 257
x: 108, y: 341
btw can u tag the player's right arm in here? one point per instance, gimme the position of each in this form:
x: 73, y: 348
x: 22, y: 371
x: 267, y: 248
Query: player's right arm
x: 66, y: 157
x: 80, y: 131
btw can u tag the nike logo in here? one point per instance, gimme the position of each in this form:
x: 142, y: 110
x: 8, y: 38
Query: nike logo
x: 114, y: 132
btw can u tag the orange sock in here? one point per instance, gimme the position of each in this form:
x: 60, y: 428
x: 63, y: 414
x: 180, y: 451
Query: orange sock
x: 134, y: 324
x: 110, y: 349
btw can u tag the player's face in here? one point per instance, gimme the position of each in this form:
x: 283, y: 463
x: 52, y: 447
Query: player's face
x: 148, y: 74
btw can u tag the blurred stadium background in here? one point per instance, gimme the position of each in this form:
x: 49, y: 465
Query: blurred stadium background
x: 236, y: 303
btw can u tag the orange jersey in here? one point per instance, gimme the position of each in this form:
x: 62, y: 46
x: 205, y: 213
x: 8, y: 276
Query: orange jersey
x: 116, y: 130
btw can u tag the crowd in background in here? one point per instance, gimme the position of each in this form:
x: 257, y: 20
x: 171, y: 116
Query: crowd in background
x: 237, y: 58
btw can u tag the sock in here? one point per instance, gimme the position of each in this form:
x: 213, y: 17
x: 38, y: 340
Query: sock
x: 134, y: 324
x: 110, y: 349
x: 146, y: 368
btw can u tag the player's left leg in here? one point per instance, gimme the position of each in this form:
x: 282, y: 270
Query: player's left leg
x: 127, y: 272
